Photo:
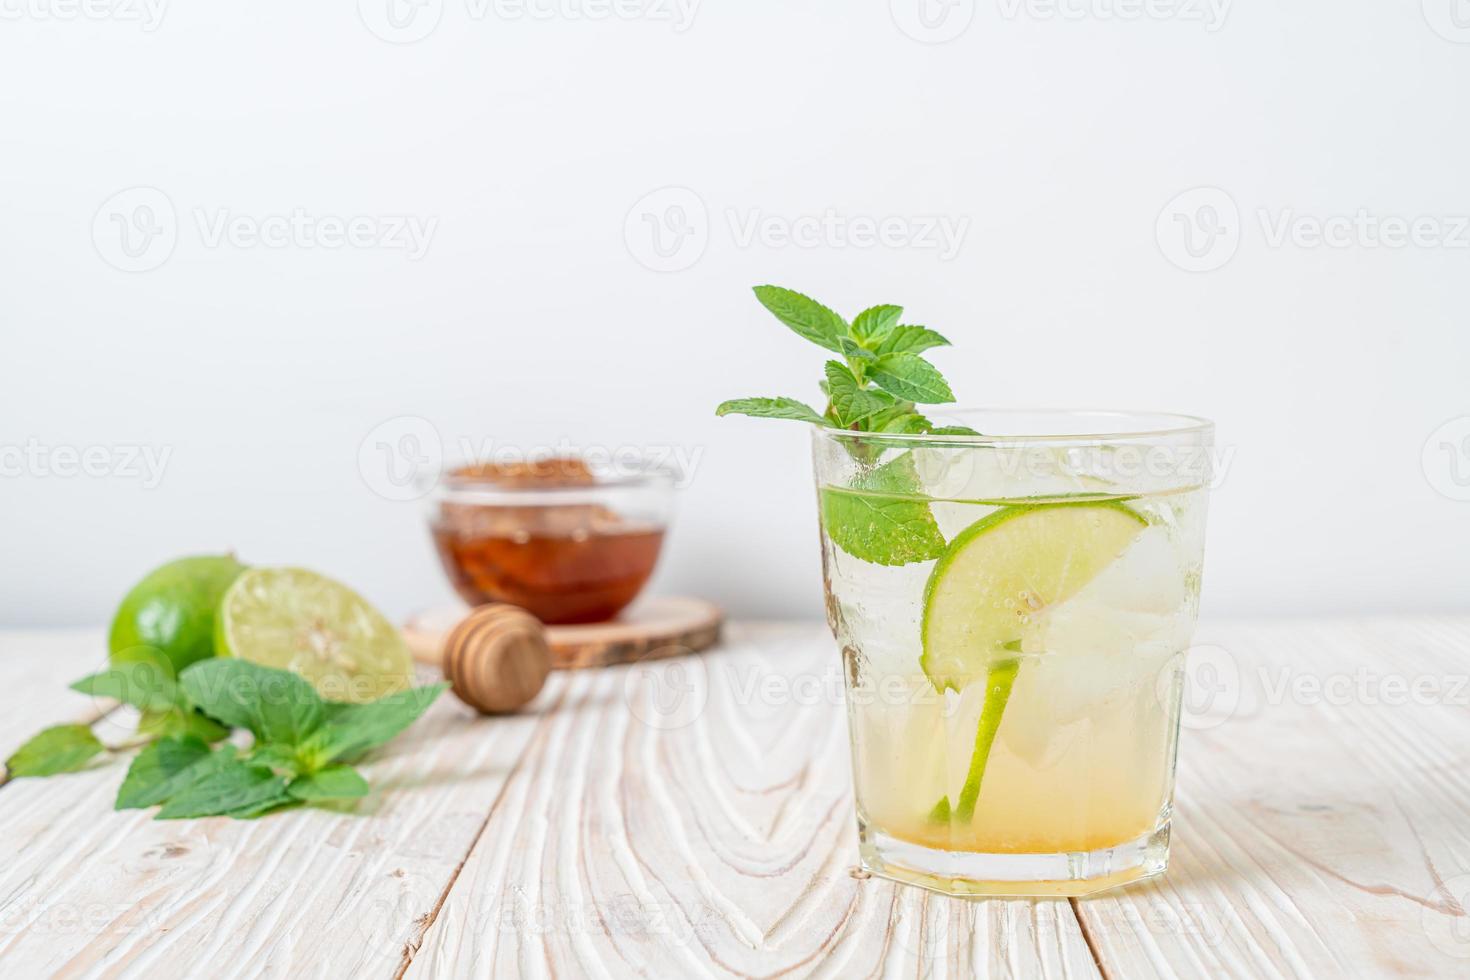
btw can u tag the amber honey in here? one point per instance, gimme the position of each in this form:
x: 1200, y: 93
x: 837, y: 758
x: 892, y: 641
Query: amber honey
x: 563, y: 562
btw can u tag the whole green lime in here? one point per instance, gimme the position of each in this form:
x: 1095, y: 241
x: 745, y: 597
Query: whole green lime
x: 173, y: 609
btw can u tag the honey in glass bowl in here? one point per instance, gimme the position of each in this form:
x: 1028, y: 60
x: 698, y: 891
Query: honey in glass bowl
x: 552, y: 536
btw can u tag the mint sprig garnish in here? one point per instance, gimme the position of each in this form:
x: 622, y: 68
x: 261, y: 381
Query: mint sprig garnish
x: 878, y: 383
x: 302, y: 743
x: 876, y: 386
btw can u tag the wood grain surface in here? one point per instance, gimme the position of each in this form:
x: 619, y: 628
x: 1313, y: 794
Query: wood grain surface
x: 692, y: 817
x: 653, y: 628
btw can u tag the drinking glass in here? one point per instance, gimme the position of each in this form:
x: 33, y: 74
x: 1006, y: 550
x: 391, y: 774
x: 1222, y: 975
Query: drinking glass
x: 1013, y: 610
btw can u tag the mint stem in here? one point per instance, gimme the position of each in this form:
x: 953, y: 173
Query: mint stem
x: 998, y: 682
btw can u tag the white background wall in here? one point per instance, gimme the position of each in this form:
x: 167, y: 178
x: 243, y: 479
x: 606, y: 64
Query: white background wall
x: 1060, y: 139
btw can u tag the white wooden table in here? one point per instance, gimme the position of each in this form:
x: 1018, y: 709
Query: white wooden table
x: 693, y: 819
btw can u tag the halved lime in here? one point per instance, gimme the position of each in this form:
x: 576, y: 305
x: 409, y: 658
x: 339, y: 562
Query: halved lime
x: 998, y: 577
x: 293, y: 619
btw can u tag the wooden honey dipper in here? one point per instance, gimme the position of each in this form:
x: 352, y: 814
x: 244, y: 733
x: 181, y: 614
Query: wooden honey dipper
x: 497, y: 658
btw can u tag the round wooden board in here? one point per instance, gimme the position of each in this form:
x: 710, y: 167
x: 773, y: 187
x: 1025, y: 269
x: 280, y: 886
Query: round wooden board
x: 660, y: 626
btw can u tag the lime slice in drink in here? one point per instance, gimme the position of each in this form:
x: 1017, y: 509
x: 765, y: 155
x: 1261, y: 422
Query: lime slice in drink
x: 992, y: 587
x: 996, y: 580
x: 296, y: 620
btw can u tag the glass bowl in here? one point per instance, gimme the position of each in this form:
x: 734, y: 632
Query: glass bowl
x: 568, y: 540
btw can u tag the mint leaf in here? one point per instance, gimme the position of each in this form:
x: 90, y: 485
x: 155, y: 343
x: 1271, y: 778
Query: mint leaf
x: 851, y: 403
x: 352, y: 729
x: 228, y: 784
x: 181, y: 722
x: 874, y: 323
x: 804, y: 315
x: 140, y: 683
x: 874, y: 523
x: 61, y: 748
x: 911, y: 423
x: 771, y: 408
x: 268, y: 804
x: 162, y: 769
x: 280, y: 758
x: 277, y: 705
x: 879, y: 351
x: 332, y: 783
x: 911, y: 377
x: 954, y: 430
x: 852, y: 350
x: 910, y: 340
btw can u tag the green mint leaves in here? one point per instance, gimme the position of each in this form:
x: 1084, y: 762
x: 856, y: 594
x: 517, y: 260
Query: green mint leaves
x: 301, y: 745
x: 807, y: 317
x: 227, y: 785
x: 330, y: 783
x: 848, y: 401
x: 878, y: 382
x: 772, y: 408
x: 352, y: 729
x: 163, y: 769
x: 876, y: 387
x: 64, y: 748
x: 910, y: 376
x: 277, y: 706
x: 871, y: 523
x: 299, y: 738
